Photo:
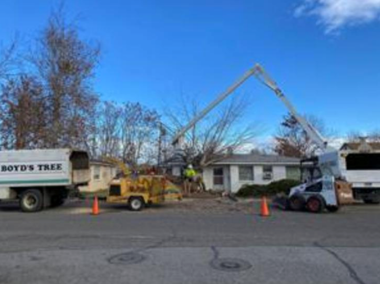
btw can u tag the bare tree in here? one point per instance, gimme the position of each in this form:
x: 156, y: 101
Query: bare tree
x: 293, y: 141
x: 7, y: 59
x: 355, y: 136
x: 139, y: 132
x: 104, y: 139
x: 214, y: 137
x: 22, y: 121
x: 375, y: 135
x: 65, y: 66
x: 128, y: 131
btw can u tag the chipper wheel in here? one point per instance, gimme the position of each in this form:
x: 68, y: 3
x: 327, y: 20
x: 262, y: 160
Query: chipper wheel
x: 136, y: 203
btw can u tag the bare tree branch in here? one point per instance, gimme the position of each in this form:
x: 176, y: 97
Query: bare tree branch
x: 7, y: 59
x: 213, y: 138
x: 292, y: 141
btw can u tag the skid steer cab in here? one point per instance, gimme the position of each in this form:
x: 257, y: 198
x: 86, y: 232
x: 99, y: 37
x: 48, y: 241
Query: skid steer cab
x: 139, y: 192
x: 320, y: 195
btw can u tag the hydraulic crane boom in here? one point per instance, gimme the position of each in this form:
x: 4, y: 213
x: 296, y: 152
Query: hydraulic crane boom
x: 314, y: 135
x: 264, y: 78
x: 212, y: 105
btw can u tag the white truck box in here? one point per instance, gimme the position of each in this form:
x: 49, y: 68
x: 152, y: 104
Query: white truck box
x: 362, y: 170
x: 52, y: 172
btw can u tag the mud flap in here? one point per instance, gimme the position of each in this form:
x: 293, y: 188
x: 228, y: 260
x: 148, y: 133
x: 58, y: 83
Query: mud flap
x: 46, y: 197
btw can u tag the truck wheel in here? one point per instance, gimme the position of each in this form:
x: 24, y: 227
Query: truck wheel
x: 136, y: 203
x: 297, y: 202
x: 371, y: 201
x: 57, y: 201
x: 31, y: 200
x: 315, y: 204
x: 332, y: 209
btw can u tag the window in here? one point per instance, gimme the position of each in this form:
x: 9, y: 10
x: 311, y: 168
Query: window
x: 245, y: 173
x: 106, y: 173
x: 96, y: 172
x: 363, y: 162
x: 267, y: 172
x: 293, y: 173
x: 218, y: 176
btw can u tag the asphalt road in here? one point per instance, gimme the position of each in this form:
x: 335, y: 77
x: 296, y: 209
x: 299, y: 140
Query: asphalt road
x: 165, y: 245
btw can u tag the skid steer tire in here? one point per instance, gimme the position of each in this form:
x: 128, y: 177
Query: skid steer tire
x: 297, y: 202
x: 315, y: 204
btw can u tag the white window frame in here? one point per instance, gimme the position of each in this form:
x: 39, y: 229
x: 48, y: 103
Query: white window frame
x: 96, y: 174
x: 218, y: 177
x: 268, y: 175
x: 252, y: 173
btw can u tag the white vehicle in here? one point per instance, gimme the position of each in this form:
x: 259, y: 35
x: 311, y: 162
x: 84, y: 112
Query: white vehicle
x: 361, y: 167
x: 42, y: 178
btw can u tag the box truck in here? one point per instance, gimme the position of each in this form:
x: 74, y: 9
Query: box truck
x: 42, y: 178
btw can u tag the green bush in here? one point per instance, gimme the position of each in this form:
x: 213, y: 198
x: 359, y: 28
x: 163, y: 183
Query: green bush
x: 281, y: 186
x: 276, y: 187
x: 251, y: 190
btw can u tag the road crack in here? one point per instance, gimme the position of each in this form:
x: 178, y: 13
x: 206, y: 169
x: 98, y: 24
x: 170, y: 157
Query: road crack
x: 353, y: 274
x: 216, y: 252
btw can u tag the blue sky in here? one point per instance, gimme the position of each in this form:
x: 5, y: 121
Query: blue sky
x: 323, y: 53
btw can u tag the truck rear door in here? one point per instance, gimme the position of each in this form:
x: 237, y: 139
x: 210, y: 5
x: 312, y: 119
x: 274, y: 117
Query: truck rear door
x: 363, y: 169
x: 80, y: 164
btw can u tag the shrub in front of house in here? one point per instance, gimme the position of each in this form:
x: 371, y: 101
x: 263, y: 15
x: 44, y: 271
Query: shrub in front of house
x: 281, y: 186
x: 251, y: 190
x: 276, y: 187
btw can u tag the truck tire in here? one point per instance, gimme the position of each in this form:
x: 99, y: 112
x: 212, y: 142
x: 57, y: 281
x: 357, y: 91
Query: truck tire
x: 332, y: 209
x: 57, y: 201
x: 31, y: 200
x: 315, y: 204
x: 136, y: 203
x: 297, y: 202
x: 371, y: 200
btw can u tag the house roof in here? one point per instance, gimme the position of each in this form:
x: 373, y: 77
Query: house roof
x: 102, y: 163
x: 175, y: 160
x: 375, y: 146
x: 258, y: 159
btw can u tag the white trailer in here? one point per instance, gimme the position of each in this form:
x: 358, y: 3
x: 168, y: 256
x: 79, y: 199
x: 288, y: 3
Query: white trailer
x: 42, y: 178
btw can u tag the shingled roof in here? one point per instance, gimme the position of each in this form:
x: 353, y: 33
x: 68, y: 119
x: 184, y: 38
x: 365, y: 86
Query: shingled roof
x: 354, y: 146
x: 258, y: 159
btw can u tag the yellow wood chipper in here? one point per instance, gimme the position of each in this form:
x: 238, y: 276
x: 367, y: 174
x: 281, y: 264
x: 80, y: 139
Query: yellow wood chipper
x: 138, y: 192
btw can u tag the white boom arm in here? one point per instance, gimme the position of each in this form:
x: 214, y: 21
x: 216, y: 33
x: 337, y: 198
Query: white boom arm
x: 212, y: 105
x: 264, y: 78
x: 314, y: 135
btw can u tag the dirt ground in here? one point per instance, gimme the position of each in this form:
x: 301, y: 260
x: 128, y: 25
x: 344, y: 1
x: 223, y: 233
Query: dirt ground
x: 210, y: 204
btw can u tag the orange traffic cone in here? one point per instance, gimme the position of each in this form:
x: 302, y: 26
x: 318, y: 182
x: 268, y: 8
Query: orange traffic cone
x: 95, y: 206
x: 264, y: 207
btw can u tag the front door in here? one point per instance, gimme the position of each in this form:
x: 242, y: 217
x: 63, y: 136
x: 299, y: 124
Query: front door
x: 218, y: 179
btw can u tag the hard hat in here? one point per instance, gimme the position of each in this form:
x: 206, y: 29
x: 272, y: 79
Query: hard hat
x: 190, y: 166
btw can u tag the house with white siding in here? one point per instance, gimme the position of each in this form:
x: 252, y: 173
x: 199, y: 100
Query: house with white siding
x: 231, y: 173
